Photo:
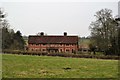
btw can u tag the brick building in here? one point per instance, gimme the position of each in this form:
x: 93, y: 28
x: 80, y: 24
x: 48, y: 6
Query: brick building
x: 53, y: 43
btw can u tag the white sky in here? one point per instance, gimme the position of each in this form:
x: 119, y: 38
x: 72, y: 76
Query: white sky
x: 55, y: 17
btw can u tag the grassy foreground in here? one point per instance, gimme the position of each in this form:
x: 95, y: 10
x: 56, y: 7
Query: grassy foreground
x: 26, y: 66
x: 0, y: 65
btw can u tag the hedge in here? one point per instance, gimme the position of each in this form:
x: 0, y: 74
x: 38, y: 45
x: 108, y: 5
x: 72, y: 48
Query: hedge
x: 60, y: 54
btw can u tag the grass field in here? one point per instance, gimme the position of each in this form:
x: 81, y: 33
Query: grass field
x: 0, y: 65
x: 26, y: 66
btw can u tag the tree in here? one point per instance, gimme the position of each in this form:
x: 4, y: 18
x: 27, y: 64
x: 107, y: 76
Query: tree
x: 118, y: 21
x: 92, y: 48
x: 18, y: 41
x: 104, y: 30
x: 119, y: 41
x: 10, y: 39
x: 6, y: 41
x: 4, y: 25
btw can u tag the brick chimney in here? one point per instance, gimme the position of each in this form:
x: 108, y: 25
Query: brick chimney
x: 65, y: 33
x: 42, y: 33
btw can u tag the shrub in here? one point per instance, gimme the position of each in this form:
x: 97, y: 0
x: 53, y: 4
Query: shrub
x: 61, y: 54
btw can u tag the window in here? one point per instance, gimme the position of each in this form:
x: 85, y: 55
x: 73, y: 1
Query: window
x: 72, y: 44
x: 60, y: 50
x: 84, y: 50
x: 39, y: 49
x: 44, y: 44
x: 60, y: 44
x: 43, y: 49
x: 67, y: 50
x: 73, y: 50
x: 37, y: 44
x: 67, y: 44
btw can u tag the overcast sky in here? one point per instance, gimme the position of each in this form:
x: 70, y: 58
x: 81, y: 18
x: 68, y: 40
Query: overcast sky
x: 54, y: 18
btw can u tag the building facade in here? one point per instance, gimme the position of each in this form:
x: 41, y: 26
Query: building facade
x: 54, y: 43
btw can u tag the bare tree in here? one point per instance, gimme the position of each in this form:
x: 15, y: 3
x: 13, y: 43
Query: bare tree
x: 104, y: 30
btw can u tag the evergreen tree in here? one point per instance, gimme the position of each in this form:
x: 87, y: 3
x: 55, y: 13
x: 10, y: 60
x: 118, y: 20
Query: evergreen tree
x: 18, y: 41
x: 10, y: 39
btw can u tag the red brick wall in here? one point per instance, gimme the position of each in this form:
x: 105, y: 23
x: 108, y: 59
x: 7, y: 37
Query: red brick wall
x: 63, y: 47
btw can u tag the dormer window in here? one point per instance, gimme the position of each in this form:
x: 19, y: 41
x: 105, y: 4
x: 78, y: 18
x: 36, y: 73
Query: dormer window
x: 44, y: 44
x: 67, y: 44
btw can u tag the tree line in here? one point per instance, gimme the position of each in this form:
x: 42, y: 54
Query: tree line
x: 105, y: 33
x: 10, y: 39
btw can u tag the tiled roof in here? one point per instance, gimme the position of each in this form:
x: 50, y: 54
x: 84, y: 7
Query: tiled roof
x: 52, y: 39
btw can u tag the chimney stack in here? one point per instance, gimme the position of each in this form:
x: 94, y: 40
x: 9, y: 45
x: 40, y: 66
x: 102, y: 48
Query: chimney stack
x: 65, y: 33
x: 42, y: 33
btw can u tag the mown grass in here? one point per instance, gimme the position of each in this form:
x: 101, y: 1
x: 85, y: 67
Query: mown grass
x: 26, y: 66
x: 0, y: 65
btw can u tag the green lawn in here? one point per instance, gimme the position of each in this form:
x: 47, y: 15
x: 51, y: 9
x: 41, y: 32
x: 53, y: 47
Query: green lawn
x: 26, y: 66
x: 0, y: 65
